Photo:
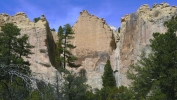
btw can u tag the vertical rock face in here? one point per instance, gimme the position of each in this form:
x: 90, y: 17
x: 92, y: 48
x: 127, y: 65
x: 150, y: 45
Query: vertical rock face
x: 136, y: 30
x: 41, y: 37
x: 92, y: 39
x: 95, y: 42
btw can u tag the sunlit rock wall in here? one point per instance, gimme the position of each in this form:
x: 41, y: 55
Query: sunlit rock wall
x: 136, y: 30
x: 92, y: 40
x: 41, y: 37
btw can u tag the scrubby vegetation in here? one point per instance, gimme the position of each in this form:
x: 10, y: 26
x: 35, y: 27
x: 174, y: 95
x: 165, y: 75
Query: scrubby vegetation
x: 36, y: 19
x: 113, y: 43
x: 154, y: 76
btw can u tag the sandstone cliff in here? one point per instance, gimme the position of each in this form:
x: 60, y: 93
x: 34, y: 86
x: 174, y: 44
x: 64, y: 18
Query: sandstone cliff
x: 95, y: 41
x: 92, y: 40
x: 136, y: 30
x: 41, y: 37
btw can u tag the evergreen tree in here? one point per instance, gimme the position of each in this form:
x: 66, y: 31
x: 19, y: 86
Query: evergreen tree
x: 109, y: 90
x: 74, y: 87
x: 64, y: 47
x: 113, y: 93
x: 43, y: 91
x: 108, y: 78
x: 13, y: 47
x: 154, y: 77
x: 60, y: 48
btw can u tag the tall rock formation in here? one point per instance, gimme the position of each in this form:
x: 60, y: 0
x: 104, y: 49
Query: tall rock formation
x: 41, y: 37
x: 92, y: 39
x: 95, y: 42
x: 136, y: 30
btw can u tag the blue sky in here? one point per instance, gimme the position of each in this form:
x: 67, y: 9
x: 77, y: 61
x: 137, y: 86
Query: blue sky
x: 60, y: 12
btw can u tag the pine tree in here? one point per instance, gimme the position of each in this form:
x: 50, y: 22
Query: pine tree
x: 43, y: 91
x: 64, y: 47
x: 108, y: 78
x: 60, y: 48
x: 154, y: 77
x: 13, y: 47
x: 74, y: 87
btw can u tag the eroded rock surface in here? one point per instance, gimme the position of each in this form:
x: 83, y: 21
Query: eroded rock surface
x: 92, y: 40
x: 41, y: 37
x: 136, y: 30
x: 95, y: 41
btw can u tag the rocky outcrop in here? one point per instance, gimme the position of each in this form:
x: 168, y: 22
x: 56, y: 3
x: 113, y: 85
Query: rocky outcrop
x: 136, y: 30
x: 92, y: 39
x: 41, y: 37
x: 95, y: 42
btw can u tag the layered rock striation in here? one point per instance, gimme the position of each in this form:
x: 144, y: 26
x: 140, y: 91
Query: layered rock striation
x: 41, y: 37
x: 136, y: 30
x: 92, y: 39
x: 95, y: 42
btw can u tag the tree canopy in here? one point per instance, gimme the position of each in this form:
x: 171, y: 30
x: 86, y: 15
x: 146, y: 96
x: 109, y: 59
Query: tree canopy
x: 64, y: 56
x: 36, y: 19
x: 108, y: 78
x: 14, y: 70
x: 154, y: 77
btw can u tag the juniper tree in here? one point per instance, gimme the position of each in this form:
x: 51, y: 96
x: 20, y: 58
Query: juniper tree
x: 108, y: 78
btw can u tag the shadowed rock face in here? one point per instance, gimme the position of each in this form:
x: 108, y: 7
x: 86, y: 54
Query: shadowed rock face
x: 136, y: 30
x: 93, y: 36
x: 40, y: 37
x: 92, y: 41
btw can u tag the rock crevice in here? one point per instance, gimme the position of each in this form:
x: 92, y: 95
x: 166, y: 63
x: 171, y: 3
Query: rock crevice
x: 92, y: 39
x: 136, y: 30
x: 41, y: 37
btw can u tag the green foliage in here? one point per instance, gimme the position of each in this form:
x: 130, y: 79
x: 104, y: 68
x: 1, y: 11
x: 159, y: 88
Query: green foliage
x: 119, y: 30
x: 63, y: 47
x: 154, y: 77
x: 82, y: 72
x: 74, y: 87
x: 52, y: 29
x: 13, y: 46
x: 108, y: 78
x: 171, y: 25
x: 113, y: 93
x: 14, y: 70
x: 42, y: 92
x: 113, y: 43
x: 36, y: 19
